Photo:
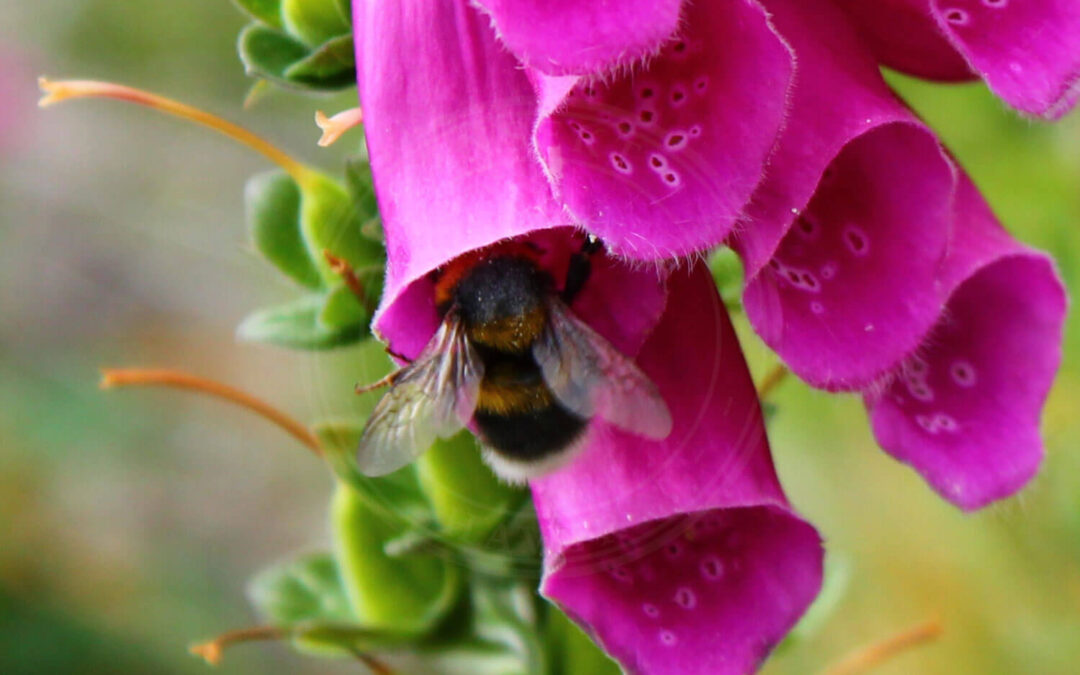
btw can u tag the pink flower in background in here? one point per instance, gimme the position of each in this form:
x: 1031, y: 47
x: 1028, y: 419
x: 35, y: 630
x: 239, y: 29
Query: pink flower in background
x: 1027, y: 51
x: 872, y: 264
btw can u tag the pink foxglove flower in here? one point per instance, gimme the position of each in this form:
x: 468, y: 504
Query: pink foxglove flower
x: 658, y: 547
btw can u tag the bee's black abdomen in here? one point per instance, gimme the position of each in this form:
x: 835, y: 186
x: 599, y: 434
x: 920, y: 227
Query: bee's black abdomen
x: 530, y: 436
x: 499, y: 288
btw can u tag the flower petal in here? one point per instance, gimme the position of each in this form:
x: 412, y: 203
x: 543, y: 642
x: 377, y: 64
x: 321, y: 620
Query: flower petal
x: 660, y: 161
x: 833, y: 66
x: 681, y: 555
x: 964, y: 410
x: 1028, y: 51
x: 448, y: 118
x: 561, y: 37
x: 852, y: 288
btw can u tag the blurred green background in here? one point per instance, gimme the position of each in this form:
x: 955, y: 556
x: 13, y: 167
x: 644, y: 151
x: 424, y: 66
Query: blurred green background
x: 129, y: 522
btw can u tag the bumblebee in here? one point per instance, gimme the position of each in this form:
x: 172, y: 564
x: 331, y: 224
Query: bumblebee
x: 511, y: 360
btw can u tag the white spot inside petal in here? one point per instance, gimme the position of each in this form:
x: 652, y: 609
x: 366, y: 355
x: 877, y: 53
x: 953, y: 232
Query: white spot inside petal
x: 676, y: 140
x: 856, y: 241
x: 620, y: 164
x: 677, y: 96
x: 685, y: 598
x: 712, y: 568
x: 957, y: 17
x: 963, y: 374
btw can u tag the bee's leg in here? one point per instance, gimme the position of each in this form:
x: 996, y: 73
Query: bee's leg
x: 579, y: 269
x: 389, y: 379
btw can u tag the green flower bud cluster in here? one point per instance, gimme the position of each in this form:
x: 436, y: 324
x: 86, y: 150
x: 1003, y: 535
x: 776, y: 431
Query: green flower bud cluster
x: 294, y: 225
x: 299, y: 44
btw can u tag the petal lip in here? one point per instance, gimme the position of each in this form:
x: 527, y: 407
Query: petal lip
x: 853, y: 289
x: 964, y: 409
x: 658, y: 547
x: 1027, y: 51
x: 816, y: 129
x: 582, y: 37
x: 660, y: 162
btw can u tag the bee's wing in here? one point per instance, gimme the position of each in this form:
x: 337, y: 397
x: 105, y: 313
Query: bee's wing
x: 434, y: 397
x: 592, y: 378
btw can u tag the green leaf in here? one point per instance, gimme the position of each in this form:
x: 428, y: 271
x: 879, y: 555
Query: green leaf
x: 358, y: 182
x: 345, y: 10
x: 398, y: 493
x: 571, y: 650
x: 296, y: 325
x: 272, y: 206
x: 343, y: 309
x: 266, y: 52
x: 269, y: 53
x: 508, y: 614
x: 332, y: 62
x: 267, y: 11
x: 307, y: 588
x: 467, y: 498
x: 406, y: 594
x: 313, y: 21
x: 305, y: 596
x: 330, y: 221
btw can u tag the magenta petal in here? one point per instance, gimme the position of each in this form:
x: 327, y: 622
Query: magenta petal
x: 904, y: 35
x: 561, y: 37
x: 964, y: 411
x: 1028, y: 51
x: 852, y: 288
x: 682, y: 555
x: 660, y: 161
x: 448, y: 117
x: 833, y: 66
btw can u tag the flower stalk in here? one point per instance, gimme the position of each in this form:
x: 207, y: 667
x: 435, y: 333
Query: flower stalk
x: 112, y: 378
x: 213, y: 651
x: 62, y: 90
x: 865, y: 658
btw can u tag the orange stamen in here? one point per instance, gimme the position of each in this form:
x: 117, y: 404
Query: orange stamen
x: 865, y: 658
x: 334, y: 127
x: 56, y: 92
x: 127, y: 377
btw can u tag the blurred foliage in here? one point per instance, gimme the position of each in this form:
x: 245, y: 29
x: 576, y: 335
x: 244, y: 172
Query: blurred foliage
x: 90, y: 584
